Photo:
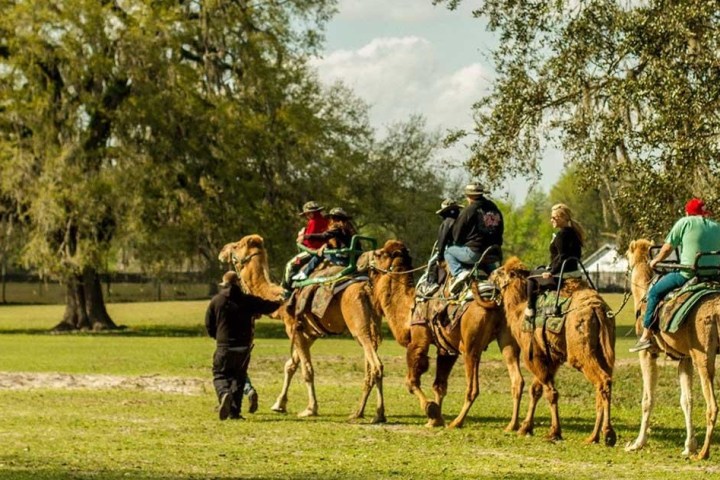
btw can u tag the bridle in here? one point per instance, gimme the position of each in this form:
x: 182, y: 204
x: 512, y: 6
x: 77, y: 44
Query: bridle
x: 239, y: 263
x: 374, y: 266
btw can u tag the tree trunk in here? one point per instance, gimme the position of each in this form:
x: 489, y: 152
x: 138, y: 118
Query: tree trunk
x: 84, y: 304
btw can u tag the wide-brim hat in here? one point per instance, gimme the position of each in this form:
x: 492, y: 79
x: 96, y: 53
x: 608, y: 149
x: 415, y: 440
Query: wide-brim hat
x: 310, y: 207
x: 474, y: 189
x: 338, y: 212
x: 447, y: 205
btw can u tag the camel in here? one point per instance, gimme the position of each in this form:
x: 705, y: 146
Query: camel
x: 351, y: 309
x: 394, y: 293
x: 586, y: 341
x: 695, y: 345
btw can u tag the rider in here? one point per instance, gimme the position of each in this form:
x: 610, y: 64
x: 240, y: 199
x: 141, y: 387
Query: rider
x: 316, y: 223
x: 693, y: 233
x: 449, y: 211
x: 479, y: 226
x: 338, y: 235
x: 566, y: 247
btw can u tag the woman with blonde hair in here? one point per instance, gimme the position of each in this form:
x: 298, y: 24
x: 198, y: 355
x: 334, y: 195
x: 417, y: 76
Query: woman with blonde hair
x: 565, y: 248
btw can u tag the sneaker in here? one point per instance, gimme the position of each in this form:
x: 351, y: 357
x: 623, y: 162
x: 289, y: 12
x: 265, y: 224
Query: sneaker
x: 459, y: 281
x: 236, y: 416
x: 529, y: 313
x: 299, y: 277
x: 253, y: 398
x: 641, y: 345
x: 225, y: 406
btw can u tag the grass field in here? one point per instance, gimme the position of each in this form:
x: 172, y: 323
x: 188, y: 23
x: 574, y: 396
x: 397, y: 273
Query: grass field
x: 139, y: 404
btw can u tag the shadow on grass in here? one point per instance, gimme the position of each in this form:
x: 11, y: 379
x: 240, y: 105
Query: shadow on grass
x: 264, y: 329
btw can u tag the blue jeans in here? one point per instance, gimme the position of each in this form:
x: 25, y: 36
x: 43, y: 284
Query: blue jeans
x: 459, y: 258
x: 662, y: 287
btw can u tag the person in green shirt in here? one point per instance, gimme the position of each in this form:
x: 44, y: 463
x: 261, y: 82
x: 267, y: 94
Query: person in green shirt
x: 693, y: 233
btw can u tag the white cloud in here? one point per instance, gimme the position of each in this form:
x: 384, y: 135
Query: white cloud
x: 388, y: 10
x: 403, y: 76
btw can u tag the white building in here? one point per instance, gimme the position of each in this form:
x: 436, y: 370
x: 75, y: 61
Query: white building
x: 607, y: 268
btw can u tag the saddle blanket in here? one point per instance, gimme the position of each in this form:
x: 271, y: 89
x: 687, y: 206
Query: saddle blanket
x: 677, y: 305
x: 550, y: 312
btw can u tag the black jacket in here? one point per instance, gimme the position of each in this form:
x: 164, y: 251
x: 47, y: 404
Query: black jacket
x: 230, y: 317
x: 479, y: 225
x: 444, y: 237
x: 566, y: 244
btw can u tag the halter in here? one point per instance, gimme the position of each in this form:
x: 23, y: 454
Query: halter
x: 372, y: 265
x: 241, y: 261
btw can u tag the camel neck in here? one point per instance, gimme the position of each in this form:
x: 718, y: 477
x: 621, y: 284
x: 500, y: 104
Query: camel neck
x: 397, y: 297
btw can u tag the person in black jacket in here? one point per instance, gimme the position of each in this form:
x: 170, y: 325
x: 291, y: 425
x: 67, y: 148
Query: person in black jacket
x: 479, y: 226
x: 230, y: 320
x: 566, y: 247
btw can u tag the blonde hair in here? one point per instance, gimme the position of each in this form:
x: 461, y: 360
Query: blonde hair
x: 565, y: 212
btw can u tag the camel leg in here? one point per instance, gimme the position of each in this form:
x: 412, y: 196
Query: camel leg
x: 511, y: 356
x: 444, y: 365
x: 551, y: 395
x: 472, y: 379
x: 648, y: 367
x: 705, y: 364
x: 302, y: 346
x: 527, y: 426
x: 602, y: 379
x: 373, y: 378
x: 685, y: 378
x: 418, y: 363
x: 291, y: 365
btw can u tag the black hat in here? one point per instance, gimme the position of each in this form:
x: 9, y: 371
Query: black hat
x: 338, y: 212
x: 310, y: 207
x: 447, y: 205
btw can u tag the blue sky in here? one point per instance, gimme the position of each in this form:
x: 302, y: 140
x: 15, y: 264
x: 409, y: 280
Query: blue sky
x: 408, y: 56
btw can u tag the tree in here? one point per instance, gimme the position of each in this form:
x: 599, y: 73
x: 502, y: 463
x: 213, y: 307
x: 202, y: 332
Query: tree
x: 629, y: 89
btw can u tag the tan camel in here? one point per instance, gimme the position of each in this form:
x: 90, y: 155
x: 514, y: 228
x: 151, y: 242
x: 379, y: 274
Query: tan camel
x: 694, y: 344
x: 350, y: 309
x: 586, y: 342
x: 394, y: 293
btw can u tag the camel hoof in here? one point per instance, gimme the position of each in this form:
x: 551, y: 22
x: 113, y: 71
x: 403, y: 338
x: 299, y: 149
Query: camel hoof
x: 453, y: 424
x: 278, y: 408
x: 432, y: 410
x: 633, y: 446
x: 553, y: 437
x: 610, y: 438
x: 379, y: 418
x: 525, y: 431
x: 308, y: 412
x: 703, y: 455
x: 511, y: 428
x: 435, y: 422
x: 590, y: 440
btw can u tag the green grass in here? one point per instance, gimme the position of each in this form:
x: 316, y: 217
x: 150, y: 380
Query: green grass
x: 113, y: 433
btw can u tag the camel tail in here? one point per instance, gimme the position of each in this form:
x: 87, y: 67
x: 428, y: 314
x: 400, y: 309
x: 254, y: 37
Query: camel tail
x: 607, y: 335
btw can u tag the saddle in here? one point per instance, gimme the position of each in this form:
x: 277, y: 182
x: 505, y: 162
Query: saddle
x: 674, y: 309
x: 442, y: 314
x: 311, y: 302
x: 551, y: 308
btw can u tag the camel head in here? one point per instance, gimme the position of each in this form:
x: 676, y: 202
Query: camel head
x: 510, y: 279
x: 638, y: 252
x: 242, y: 252
x: 394, y: 256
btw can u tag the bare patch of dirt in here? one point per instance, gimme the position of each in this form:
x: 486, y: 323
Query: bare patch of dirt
x: 150, y: 383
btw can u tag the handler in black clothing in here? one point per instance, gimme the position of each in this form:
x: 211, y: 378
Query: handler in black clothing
x: 230, y: 320
x: 566, y: 245
x: 479, y: 226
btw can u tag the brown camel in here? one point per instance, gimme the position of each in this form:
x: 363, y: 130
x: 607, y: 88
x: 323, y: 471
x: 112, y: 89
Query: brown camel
x: 394, y: 293
x: 694, y: 344
x: 586, y: 341
x: 351, y: 309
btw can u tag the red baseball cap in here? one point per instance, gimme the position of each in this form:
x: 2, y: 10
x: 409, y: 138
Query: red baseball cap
x: 695, y: 206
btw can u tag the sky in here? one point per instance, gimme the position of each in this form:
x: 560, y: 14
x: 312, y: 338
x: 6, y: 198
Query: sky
x: 408, y: 57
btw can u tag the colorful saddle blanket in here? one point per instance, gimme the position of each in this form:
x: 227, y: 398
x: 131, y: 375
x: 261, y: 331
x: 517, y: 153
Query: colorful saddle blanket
x: 316, y: 298
x: 675, y: 308
x: 550, y: 312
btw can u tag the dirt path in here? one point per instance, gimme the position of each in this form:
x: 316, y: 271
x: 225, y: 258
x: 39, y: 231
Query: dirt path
x: 150, y: 383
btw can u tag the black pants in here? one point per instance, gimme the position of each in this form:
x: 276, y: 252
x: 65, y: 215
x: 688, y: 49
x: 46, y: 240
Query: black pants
x: 536, y: 284
x: 230, y: 366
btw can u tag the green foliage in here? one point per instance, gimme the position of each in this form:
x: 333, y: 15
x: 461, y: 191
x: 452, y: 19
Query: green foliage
x: 528, y: 232
x: 629, y: 89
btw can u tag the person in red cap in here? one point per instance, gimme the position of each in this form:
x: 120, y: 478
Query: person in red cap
x: 693, y: 233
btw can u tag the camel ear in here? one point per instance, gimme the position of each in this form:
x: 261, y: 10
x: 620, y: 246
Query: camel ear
x: 631, y: 247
